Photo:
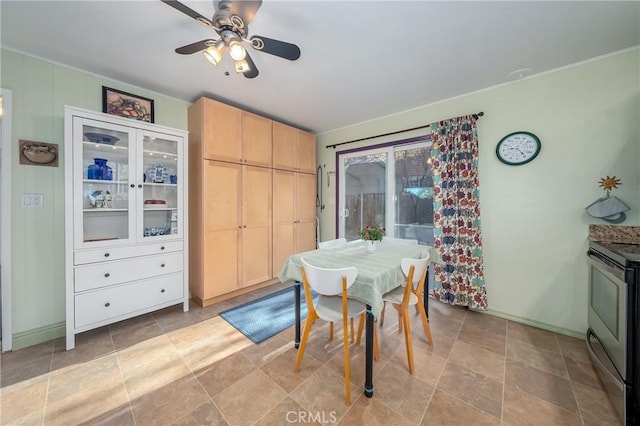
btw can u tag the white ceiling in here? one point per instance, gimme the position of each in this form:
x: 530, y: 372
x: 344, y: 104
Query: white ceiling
x: 360, y: 59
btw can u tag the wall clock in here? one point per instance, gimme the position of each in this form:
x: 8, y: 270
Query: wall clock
x: 518, y: 148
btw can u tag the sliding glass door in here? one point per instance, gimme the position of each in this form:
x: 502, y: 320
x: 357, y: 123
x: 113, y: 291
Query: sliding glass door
x: 388, y: 185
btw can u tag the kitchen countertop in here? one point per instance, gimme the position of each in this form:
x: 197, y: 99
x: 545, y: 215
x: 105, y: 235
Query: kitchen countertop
x: 614, y: 233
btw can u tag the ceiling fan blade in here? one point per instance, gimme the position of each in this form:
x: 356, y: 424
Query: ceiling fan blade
x: 276, y: 47
x: 246, y: 9
x: 253, y: 72
x: 195, y: 47
x: 188, y: 11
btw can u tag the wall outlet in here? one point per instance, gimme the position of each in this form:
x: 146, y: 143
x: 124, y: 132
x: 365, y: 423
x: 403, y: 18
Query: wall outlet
x: 31, y: 200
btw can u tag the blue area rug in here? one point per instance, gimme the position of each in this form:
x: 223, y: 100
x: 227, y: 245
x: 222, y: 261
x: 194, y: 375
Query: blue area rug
x: 266, y: 316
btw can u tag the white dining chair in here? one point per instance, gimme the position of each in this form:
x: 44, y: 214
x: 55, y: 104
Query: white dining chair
x: 338, y: 242
x: 332, y: 305
x: 410, y: 294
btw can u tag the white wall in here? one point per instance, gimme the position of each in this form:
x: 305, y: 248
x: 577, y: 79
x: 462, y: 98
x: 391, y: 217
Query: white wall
x: 40, y: 92
x: 533, y: 220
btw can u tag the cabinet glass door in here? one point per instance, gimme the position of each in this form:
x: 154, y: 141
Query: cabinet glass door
x: 101, y: 184
x: 161, y: 171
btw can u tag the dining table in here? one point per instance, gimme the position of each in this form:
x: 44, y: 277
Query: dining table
x: 378, y: 272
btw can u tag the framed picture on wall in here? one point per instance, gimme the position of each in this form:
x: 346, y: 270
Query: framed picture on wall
x: 128, y: 105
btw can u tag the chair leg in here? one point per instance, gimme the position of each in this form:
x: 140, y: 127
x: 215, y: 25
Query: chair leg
x: 425, y: 323
x: 376, y: 349
x: 331, y: 330
x: 303, y: 342
x: 347, y: 372
x: 384, y: 305
x: 352, y: 332
x: 360, y: 328
x: 407, y: 340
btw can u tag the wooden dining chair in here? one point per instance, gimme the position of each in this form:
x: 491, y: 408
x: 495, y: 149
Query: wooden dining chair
x: 332, y: 305
x: 410, y: 294
x: 338, y: 242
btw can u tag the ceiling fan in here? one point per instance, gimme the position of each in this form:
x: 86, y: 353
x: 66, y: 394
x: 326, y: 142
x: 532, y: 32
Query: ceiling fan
x: 230, y: 21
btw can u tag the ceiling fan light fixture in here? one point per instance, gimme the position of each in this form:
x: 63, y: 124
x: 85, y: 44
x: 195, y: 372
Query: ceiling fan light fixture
x: 242, y: 66
x: 214, y: 53
x: 237, y: 51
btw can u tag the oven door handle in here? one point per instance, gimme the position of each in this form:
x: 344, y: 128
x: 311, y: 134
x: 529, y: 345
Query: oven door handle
x: 616, y: 275
x: 616, y: 380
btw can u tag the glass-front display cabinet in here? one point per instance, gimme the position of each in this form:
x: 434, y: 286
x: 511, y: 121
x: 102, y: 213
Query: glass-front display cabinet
x: 127, y: 183
x: 125, y: 219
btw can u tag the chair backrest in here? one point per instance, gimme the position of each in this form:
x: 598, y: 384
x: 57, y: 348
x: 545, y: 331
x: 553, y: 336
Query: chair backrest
x: 419, y: 271
x: 392, y: 240
x: 328, y: 281
x: 332, y: 243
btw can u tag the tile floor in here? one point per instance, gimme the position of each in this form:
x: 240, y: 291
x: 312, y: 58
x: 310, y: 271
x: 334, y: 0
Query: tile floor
x: 175, y: 368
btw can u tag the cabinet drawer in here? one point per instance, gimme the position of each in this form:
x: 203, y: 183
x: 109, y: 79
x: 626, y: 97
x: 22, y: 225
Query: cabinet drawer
x: 121, y: 271
x: 114, y: 253
x: 110, y: 303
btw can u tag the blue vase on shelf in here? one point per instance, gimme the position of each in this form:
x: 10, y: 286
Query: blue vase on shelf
x: 100, y: 170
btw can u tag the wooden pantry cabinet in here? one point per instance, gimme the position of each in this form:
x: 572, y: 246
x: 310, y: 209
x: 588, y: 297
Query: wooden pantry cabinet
x: 293, y: 149
x: 235, y: 187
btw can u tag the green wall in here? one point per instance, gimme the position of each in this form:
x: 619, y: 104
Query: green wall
x: 534, y: 223
x: 40, y: 91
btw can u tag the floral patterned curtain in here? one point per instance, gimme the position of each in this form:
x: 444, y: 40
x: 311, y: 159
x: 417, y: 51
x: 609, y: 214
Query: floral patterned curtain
x: 456, y: 204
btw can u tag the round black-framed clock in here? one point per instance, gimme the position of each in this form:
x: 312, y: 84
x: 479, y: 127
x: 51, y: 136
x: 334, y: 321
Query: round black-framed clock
x: 518, y: 148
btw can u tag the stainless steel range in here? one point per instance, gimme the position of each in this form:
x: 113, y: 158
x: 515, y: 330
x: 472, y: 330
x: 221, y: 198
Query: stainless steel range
x: 614, y: 324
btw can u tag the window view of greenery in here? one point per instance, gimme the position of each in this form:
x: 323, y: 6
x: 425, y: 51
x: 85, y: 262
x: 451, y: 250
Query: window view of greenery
x: 366, y: 193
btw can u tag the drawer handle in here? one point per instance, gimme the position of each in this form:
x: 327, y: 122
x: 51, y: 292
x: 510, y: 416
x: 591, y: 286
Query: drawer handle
x: 106, y: 255
x: 106, y: 305
x: 162, y: 265
x: 162, y: 248
x: 107, y: 275
x: 162, y: 291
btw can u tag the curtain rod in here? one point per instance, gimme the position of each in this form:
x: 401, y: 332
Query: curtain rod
x: 476, y: 116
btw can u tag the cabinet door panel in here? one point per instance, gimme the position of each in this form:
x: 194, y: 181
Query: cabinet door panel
x: 256, y: 254
x: 256, y: 140
x: 306, y: 152
x: 283, y: 246
x: 220, y: 262
x: 285, y: 139
x: 305, y: 234
x: 222, y: 131
x: 256, y: 194
x: 283, y: 197
x: 222, y: 195
x: 305, y: 197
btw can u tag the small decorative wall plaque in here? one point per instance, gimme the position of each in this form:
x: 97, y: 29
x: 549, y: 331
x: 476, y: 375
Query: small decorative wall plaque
x: 38, y: 153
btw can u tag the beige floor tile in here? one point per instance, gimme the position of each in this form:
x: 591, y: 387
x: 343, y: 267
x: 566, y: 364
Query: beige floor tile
x: 206, y: 351
x: 523, y: 409
x: 31, y: 354
x: 289, y: 412
x: 402, y: 392
x: 583, y: 373
x: 223, y: 373
x: 188, y: 336
x: 268, y: 350
x: 31, y: 419
x: 485, y: 339
x: 479, y: 360
x: 428, y: 366
x: 536, y: 357
x: 595, y: 406
x: 154, y: 375
x: 574, y: 348
x: 372, y: 412
x: 93, y: 403
x: 542, y: 384
x: 131, y: 324
x: 174, y: 318
x: 75, y: 379
x: 280, y: 369
x: 485, y: 321
x: 445, y: 312
x: 21, y: 376
x: 90, y: 345
x: 23, y: 403
x: 249, y: 399
x: 169, y: 403
x: 357, y: 361
x: 534, y: 336
x: 206, y: 414
x: 136, y: 336
x: 445, y: 409
x: 324, y: 392
x: 143, y: 352
x: 473, y: 388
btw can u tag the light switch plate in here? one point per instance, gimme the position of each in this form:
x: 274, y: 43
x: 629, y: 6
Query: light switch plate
x: 31, y: 201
